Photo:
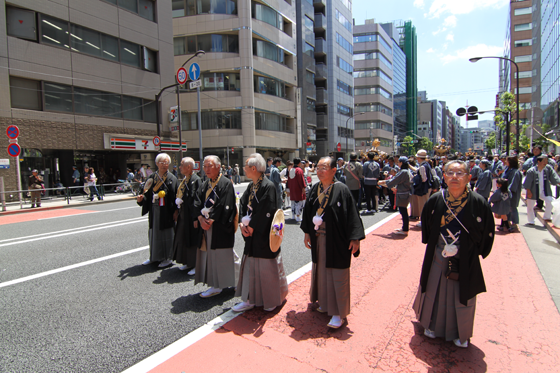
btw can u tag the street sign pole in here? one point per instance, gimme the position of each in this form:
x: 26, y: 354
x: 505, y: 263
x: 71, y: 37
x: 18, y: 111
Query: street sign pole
x: 180, y: 127
x: 200, y: 134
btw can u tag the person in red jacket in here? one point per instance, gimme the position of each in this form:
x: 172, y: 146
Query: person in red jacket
x: 296, y: 184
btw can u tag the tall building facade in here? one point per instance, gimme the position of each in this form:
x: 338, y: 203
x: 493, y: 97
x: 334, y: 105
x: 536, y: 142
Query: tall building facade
x: 409, y: 44
x: 432, y: 111
x: 549, y: 31
x: 373, y: 86
x: 249, y: 76
x: 79, y: 80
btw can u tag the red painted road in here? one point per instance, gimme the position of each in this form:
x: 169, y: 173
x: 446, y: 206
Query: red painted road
x: 517, y: 326
x: 36, y: 215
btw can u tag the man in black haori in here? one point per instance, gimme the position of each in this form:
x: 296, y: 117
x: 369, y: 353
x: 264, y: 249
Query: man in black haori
x: 333, y: 231
x: 187, y: 231
x: 262, y: 281
x: 217, y: 264
x: 158, y: 201
x: 457, y: 226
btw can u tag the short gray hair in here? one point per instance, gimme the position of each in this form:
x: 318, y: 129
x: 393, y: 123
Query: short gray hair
x: 257, y: 161
x: 214, y: 159
x: 163, y: 155
x: 460, y: 163
x: 189, y: 161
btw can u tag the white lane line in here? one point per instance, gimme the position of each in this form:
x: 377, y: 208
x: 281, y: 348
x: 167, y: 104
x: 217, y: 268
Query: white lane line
x: 90, y: 212
x: 73, y: 232
x: 67, y: 268
x: 173, y: 349
x: 70, y: 230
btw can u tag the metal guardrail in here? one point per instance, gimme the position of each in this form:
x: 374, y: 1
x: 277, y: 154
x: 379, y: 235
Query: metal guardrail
x: 22, y: 197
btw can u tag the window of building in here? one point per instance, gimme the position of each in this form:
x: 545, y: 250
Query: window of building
x: 25, y: 93
x: 270, y: 86
x: 364, y: 38
x: 526, y: 58
x: 365, y: 108
x: 344, y: 43
x: 268, y: 15
x: 207, y: 43
x: 373, y: 125
x: 220, y: 82
x: 347, y: 3
x: 149, y: 60
x: 344, y: 110
x: 271, y: 122
x: 268, y: 50
x: 524, y: 74
x: 149, y: 111
x: 343, y: 87
x: 54, y: 32
x: 523, y: 27
x: 310, y: 77
x: 345, y: 132
x: 308, y: 49
x: 345, y: 66
x: 130, y: 53
x: 58, y: 97
x: 361, y: 91
x: 21, y: 23
x: 144, y: 8
x: 181, y: 8
x: 132, y: 108
x: 179, y: 46
x: 521, y: 11
x: 369, y: 73
x: 371, y: 55
x: 524, y: 90
x: 523, y: 43
x: 310, y: 104
x: 308, y: 23
x: 340, y: 17
x: 91, y: 102
x: 211, y: 120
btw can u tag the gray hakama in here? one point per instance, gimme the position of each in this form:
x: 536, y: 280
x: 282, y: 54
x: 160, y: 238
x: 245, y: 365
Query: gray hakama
x: 439, y: 308
x: 161, y: 240
x: 182, y: 253
x: 329, y: 286
x: 262, y: 281
x: 217, y: 268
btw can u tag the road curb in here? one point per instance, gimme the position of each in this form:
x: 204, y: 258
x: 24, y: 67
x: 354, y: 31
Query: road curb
x: 47, y: 208
x: 546, y: 224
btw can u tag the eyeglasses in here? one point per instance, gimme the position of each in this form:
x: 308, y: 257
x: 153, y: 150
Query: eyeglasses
x: 455, y: 173
x: 323, y: 168
x: 163, y: 163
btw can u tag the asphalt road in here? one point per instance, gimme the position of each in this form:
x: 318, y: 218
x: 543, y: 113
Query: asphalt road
x: 74, y: 296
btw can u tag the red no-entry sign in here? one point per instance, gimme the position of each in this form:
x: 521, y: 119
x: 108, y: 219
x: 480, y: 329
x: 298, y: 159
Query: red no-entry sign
x: 12, y: 132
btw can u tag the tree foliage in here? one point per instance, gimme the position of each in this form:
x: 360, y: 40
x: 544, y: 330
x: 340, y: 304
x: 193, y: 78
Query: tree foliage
x: 424, y: 143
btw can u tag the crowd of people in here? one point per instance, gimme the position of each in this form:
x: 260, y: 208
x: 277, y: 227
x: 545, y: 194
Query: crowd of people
x: 455, y: 198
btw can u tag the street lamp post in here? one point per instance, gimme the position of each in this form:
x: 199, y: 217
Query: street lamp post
x: 198, y: 53
x: 347, y: 120
x: 476, y: 59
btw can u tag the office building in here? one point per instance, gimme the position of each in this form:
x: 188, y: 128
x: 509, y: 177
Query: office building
x: 409, y: 44
x: 249, y: 77
x: 373, y: 86
x: 79, y: 78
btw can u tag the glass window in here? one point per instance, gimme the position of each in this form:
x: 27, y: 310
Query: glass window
x: 191, y: 44
x: 347, y: 3
x: 268, y: 15
x: 271, y: 122
x: 368, y: 73
x: 268, y: 50
x: 310, y: 104
x: 150, y: 60
x: 25, y: 93
x: 220, y: 82
x: 110, y: 47
x: 344, y: 110
x: 343, y: 20
x: 132, y: 108
x: 308, y: 49
x: 373, y: 91
x: 523, y: 43
x: 131, y: 5
x: 85, y: 40
x: 270, y: 86
x: 178, y: 46
x: 21, y: 23
x: 58, y: 97
x: 521, y: 11
x: 91, y: 102
x: 372, y: 56
x: 524, y: 90
x: 178, y: 8
x: 343, y: 87
x: 343, y: 43
x: 130, y: 53
x: 112, y: 1
x: 191, y: 7
x: 526, y: 58
x: 54, y: 31
x: 146, y: 9
x: 308, y: 23
x: 310, y: 77
x: 149, y: 111
x: 523, y: 27
x: 524, y: 74
x: 345, y: 66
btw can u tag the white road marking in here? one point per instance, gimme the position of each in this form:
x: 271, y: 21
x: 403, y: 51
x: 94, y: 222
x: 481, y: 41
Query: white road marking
x: 69, y: 230
x: 67, y: 268
x: 89, y: 212
x: 73, y: 232
x: 173, y: 349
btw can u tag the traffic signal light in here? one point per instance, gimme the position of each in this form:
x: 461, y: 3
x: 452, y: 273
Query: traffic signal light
x: 472, y: 113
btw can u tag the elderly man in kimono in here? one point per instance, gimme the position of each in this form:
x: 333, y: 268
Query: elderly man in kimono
x: 187, y: 231
x: 333, y: 231
x: 537, y: 182
x: 217, y: 264
x: 458, y: 227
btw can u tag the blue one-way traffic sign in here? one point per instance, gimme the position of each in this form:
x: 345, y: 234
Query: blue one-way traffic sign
x: 194, y: 71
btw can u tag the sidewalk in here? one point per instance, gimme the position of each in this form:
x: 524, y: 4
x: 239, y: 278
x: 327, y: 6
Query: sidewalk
x: 516, y: 326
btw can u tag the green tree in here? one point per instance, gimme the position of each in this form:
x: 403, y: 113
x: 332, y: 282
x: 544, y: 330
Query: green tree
x: 408, y: 144
x: 507, y: 110
x: 424, y: 143
x: 490, y: 142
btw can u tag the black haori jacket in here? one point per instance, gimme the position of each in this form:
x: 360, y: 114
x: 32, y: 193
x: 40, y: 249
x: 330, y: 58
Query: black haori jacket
x: 223, y: 212
x: 264, y: 207
x: 342, y: 223
x: 477, y: 218
x: 188, y: 214
x: 167, y: 211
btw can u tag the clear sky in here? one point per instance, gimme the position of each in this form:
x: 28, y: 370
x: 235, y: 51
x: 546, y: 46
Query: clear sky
x: 449, y: 33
